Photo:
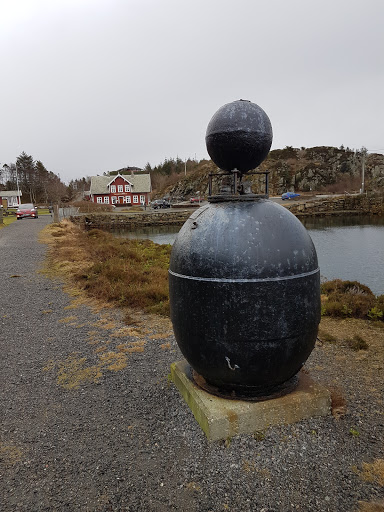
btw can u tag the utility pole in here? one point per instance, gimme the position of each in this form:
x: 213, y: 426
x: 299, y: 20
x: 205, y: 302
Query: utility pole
x: 364, y: 154
x: 17, y: 183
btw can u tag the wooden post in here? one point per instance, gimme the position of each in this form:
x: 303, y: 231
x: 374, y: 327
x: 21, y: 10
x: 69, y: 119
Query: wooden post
x: 1, y: 216
x: 56, y: 213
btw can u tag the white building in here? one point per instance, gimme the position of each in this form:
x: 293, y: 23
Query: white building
x: 9, y: 198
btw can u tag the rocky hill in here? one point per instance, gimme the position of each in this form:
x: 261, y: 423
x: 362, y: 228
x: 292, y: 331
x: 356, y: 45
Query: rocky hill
x: 317, y: 169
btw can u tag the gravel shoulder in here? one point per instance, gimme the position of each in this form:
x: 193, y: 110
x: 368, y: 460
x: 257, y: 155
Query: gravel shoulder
x: 90, y: 421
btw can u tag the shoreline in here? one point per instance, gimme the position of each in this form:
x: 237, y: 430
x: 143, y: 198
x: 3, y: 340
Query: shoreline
x: 337, y: 206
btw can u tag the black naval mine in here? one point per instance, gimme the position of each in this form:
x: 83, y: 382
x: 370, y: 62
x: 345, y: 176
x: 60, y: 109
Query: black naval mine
x: 244, y: 279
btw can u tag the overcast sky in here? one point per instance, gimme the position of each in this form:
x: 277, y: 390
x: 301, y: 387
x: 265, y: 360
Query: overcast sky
x: 89, y: 86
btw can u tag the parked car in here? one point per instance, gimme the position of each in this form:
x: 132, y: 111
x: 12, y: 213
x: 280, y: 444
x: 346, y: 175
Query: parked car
x: 289, y: 195
x: 26, y: 210
x: 195, y: 199
x: 160, y: 203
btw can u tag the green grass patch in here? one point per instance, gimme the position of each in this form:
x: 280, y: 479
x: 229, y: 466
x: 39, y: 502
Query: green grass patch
x: 7, y: 220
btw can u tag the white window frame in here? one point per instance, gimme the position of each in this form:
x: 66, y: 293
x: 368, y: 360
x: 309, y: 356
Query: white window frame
x: 113, y: 189
x: 142, y: 199
x: 120, y: 188
x: 128, y: 199
x: 135, y: 199
x: 127, y: 188
x: 99, y: 200
x: 114, y: 199
x: 106, y: 199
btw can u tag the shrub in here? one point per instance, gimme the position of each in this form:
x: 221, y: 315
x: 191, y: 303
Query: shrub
x: 351, y: 298
x: 326, y: 337
x: 352, y: 287
x: 333, y: 308
x: 375, y: 313
x: 357, y: 343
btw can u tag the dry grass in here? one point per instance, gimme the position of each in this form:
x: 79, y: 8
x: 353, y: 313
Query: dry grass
x: 105, y: 323
x: 131, y: 350
x: 65, y: 257
x: 68, y: 319
x: 114, y: 361
x: 341, y: 330
x: 193, y: 486
x: 338, y: 402
x: 347, y: 337
x: 74, y: 372
x: 373, y: 506
x: 10, y: 454
x: 102, y: 348
x: 132, y: 274
x: 122, y: 332
x: 102, y: 272
x: 326, y: 337
x: 131, y: 347
x: 373, y: 472
x: 360, y: 369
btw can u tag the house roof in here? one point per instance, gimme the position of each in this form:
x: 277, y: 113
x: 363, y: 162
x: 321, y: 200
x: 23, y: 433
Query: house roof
x: 139, y: 182
x: 119, y: 176
x: 10, y: 193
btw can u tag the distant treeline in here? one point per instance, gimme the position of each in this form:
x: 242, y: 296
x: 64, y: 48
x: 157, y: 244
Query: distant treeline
x: 37, y: 184
x: 170, y: 171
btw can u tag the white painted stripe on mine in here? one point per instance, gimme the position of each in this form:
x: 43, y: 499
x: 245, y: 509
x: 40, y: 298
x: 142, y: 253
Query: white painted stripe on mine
x: 255, y: 280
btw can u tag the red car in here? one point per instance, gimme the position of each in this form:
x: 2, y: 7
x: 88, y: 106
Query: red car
x: 26, y: 210
x: 195, y: 200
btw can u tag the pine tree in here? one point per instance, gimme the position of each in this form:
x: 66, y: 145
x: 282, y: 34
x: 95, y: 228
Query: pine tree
x: 26, y: 175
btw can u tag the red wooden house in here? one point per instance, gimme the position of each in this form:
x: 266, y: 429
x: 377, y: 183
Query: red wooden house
x: 121, y: 189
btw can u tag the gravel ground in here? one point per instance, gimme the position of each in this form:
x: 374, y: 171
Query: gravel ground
x: 90, y: 422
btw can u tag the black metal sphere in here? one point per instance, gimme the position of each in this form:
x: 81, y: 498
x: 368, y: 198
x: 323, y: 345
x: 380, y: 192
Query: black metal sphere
x: 239, y: 136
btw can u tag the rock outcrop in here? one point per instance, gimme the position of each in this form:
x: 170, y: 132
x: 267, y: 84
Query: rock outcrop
x: 317, y: 169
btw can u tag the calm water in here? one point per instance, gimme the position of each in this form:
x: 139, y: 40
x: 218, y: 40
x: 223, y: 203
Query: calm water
x: 348, y: 248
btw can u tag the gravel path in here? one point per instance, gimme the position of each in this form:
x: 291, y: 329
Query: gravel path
x: 90, y: 422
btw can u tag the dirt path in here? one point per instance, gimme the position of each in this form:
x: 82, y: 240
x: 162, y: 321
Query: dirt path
x: 90, y: 422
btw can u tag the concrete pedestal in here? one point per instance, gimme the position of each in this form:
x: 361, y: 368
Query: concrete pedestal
x: 222, y: 418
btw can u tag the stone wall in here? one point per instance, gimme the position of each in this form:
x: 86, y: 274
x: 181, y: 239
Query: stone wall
x: 132, y: 220
x: 345, y: 205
